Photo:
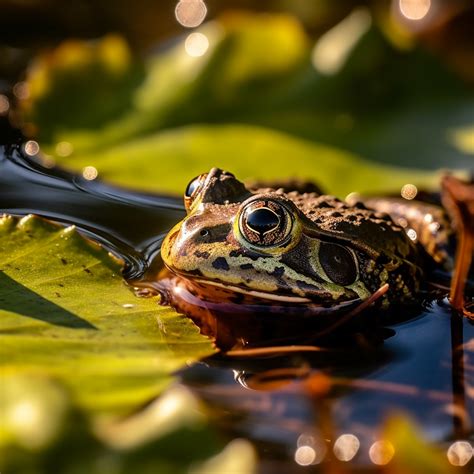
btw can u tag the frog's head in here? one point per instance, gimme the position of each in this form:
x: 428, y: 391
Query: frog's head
x: 286, y: 247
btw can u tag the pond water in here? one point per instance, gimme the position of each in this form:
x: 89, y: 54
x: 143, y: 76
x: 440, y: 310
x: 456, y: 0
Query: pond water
x: 300, y: 408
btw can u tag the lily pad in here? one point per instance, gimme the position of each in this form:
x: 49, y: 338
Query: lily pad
x: 166, y: 161
x: 65, y: 312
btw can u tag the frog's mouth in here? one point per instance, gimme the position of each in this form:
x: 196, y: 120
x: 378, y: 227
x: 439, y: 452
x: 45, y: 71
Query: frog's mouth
x: 223, y: 292
x: 256, y: 293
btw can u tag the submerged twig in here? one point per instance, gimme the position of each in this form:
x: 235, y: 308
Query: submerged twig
x: 365, y: 304
x: 272, y: 351
x: 458, y: 198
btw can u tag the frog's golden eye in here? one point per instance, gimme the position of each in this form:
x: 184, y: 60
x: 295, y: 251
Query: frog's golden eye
x: 265, y: 223
x: 339, y: 263
x: 192, y: 190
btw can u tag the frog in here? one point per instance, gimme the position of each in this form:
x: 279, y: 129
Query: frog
x: 279, y: 246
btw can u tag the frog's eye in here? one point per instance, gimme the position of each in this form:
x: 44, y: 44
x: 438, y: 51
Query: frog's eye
x: 192, y: 190
x: 339, y: 263
x: 265, y: 223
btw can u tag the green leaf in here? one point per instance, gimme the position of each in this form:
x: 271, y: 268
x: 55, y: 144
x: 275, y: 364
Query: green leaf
x: 413, y: 455
x: 66, y: 312
x: 166, y: 161
x: 177, y: 88
x: 80, y: 85
x: 42, y: 431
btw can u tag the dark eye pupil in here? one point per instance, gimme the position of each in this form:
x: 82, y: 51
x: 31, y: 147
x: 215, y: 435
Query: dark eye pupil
x: 262, y: 220
x: 338, y: 263
x: 192, y: 186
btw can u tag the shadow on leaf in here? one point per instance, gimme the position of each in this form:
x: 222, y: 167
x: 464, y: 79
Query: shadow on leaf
x: 17, y: 298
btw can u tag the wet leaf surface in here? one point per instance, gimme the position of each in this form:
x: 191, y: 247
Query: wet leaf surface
x: 66, y: 312
x: 171, y: 158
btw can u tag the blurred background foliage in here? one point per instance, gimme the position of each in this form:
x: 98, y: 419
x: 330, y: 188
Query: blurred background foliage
x: 357, y: 95
x: 354, y: 84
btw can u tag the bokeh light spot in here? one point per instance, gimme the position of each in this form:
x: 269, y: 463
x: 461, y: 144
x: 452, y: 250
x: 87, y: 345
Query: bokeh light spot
x: 305, y: 455
x: 346, y: 447
x: 409, y: 191
x: 412, y: 234
x: 21, y: 90
x: 31, y: 148
x: 196, y: 44
x: 90, y: 173
x: 4, y: 104
x: 64, y: 149
x: 381, y: 452
x: 460, y: 453
x: 414, y: 9
x: 190, y: 13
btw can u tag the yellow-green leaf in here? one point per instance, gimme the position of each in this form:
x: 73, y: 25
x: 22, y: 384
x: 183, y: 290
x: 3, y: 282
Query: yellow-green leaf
x: 66, y: 312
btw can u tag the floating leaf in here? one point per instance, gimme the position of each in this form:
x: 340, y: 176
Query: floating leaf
x: 65, y: 312
x: 168, y: 160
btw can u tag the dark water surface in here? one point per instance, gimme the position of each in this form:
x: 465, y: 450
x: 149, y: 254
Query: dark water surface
x: 422, y: 367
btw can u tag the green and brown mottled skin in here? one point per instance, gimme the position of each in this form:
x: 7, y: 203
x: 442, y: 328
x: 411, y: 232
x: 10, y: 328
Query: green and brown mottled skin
x: 207, y: 248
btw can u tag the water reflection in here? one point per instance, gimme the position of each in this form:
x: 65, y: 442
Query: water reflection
x: 344, y: 396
